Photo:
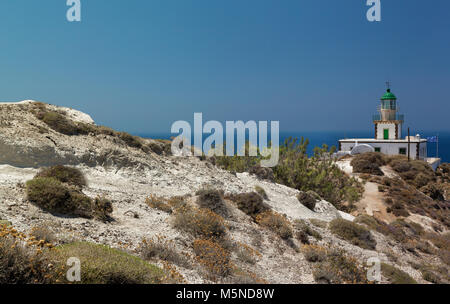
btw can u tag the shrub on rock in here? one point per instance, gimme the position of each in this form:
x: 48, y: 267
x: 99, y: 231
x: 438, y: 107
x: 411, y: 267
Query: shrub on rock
x: 250, y: 203
x: 308, y: 199
x: 212, y: 199
x: 354, y: 233
x: 276, y: 223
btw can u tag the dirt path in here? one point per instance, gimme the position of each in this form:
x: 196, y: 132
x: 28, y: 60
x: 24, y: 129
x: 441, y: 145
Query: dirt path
x: 372, y: 203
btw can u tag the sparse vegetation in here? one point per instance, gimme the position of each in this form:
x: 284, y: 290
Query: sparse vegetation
x: 339, y: 268
x: 395, y: 275
x: 159, y: 203
x: 43, y: 233
x: 314, y: 253
x: 295, y: 169
x: 319, y: 223
x: 213, y: 257
x: 415, y: 172
x: 23, y: 260
x: 161, y: 248
x: 353, y: 233
x: 304, y: 231
x: 276, y: 223
x: 202, y: 223
x: 246, y: 253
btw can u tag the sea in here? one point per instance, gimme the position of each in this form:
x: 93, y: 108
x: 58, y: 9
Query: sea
x: 331, y: 138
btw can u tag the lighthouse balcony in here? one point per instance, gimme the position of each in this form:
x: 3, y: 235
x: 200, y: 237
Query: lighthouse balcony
x: 389, y: 117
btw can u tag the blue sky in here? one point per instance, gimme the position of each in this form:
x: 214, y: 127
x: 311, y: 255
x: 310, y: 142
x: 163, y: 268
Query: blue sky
x: 313, y: 65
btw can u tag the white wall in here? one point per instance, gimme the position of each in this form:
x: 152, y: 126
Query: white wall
x: 391, y: 148
x: 390, y: 126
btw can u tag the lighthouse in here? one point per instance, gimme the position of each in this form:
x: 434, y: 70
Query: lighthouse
x: 388, y: 122
x: 387, y: 138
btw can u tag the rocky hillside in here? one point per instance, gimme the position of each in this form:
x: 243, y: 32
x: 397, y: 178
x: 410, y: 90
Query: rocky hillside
x: 197, y: 222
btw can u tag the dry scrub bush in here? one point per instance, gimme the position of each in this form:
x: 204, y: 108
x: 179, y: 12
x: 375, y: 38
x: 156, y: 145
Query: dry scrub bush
x: 319, y: 223
x: 261, y: 192
x: 276, y: 223
x: 163, y: 249
x: 395, y: 275
x: 338, y: 268
x: 354, y: 233
x: 250, y: 203
x: 202, y: 223
x: 415, y: 172
x: 159, y: 203
x: 213, y: 257
x: 308, y: 199
x: 314, y: 253
x: 23, y: 259
x: 296, y: 170
x: 43, y: 233
x: 246, y: 253
x: 212, y: 199
x: 303, y: 231
x: 368, y: 163
x: 442, y: 242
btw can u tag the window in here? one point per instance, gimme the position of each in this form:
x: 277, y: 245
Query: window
x: 386, y: 133
x: 402, y: 151
x: 377, y: 149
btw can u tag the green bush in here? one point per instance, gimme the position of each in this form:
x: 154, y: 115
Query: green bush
x: 353, y: 233
x: 59, y: 123
x: 104, y: 265
x: 395, y: 275
x: 53, y: 196
x: 64, y: 174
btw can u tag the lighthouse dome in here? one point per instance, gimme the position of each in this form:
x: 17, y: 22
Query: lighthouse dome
x: 388, y: 96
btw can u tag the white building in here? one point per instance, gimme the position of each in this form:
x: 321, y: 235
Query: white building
x: 388, y: 135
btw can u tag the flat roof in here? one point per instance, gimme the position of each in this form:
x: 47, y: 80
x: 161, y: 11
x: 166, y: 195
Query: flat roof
x: 373, y: 140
